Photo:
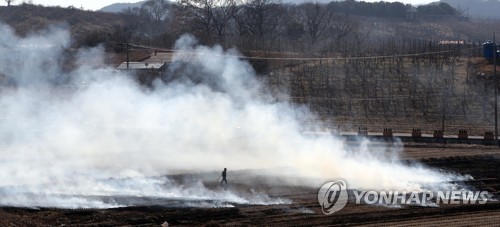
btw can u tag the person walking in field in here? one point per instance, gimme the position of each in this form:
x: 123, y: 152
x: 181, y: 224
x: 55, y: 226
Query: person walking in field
x: 223, y: 176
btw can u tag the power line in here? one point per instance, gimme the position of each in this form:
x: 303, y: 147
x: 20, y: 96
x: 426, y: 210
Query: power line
x: 393, y: 97
x: 193, y: 53
x: 349, y: 58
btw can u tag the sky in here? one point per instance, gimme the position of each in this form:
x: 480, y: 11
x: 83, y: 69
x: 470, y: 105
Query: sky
x: 98, y: 4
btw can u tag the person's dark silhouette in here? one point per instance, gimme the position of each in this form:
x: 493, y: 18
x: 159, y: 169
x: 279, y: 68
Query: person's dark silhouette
x: 224, y: 176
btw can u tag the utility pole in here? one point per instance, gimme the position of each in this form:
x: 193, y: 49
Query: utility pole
x: 496, y: 88
x: 445, y: 99
x: 128, y: 58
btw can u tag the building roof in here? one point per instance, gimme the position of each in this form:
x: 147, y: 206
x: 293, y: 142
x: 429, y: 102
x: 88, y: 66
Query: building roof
x: 164, y: 57
x: 156, y: 61
x: 142, y: 65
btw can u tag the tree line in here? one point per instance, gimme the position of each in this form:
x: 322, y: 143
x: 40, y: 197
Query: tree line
x: 259, y: 25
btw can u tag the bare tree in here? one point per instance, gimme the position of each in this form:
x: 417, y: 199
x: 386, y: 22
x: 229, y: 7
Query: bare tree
x: 252, y: 17
x: 342, y: 25
x: 9, y: 2
x: 213, y: 16
x: 222, y: 14
x: 201, y: 12
x: 317, y: 19
x: 260, y: 21
x: 157, y: 9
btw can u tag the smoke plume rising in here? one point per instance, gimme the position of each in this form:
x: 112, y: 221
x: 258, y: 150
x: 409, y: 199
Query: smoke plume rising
x: 70, y: 139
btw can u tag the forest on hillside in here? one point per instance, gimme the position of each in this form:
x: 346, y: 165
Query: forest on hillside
x: 373, y: 64
x: 256, y: 25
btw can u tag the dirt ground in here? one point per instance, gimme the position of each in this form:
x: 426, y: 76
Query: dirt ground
x: 481, y: 162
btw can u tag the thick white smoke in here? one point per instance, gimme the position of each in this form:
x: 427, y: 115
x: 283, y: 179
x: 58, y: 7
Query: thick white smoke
x: 72, y: 139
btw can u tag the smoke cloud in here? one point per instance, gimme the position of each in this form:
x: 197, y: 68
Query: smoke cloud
x: 89, y: 137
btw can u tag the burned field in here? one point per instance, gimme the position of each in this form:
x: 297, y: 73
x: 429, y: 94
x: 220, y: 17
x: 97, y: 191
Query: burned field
x: 300, y: 206
x: 91, y: 145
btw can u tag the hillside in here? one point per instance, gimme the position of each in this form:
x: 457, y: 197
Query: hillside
x: 476, y: 8
x: 87, y: 27
x: 118, y: 7
x: 90, y: 28
x: 447, y: 29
